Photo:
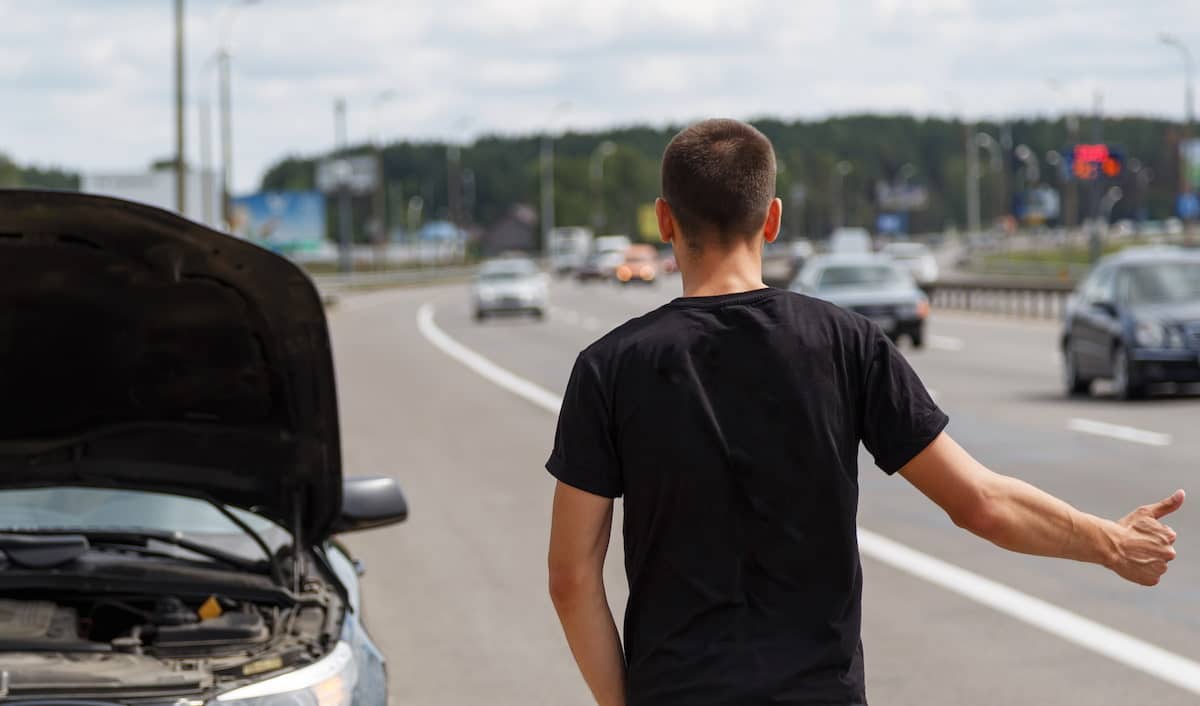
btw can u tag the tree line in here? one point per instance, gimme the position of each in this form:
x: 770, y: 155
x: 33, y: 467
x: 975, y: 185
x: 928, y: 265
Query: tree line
x: 502, y: 171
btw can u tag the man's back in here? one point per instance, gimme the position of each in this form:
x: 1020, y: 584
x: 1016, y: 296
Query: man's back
x: 731, y: 426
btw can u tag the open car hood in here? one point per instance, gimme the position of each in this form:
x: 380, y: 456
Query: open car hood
x: 141, y: 350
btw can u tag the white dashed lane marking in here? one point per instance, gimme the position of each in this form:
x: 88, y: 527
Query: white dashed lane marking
x: 1116, y: 431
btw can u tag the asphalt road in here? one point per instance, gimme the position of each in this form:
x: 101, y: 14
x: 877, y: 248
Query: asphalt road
x: 457, y: 595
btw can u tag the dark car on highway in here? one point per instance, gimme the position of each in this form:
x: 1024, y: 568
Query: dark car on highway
x: 872, y: 285
x: 170, y: 469
x: 1135, y: 320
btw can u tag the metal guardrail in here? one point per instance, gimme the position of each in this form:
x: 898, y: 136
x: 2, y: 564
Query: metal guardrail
x: 1044, y: 298
x: 330, y: 286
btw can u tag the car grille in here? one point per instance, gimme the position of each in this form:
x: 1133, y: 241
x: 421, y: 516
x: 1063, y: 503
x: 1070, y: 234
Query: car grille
x: 875, y: 310
x: 1192, y: 331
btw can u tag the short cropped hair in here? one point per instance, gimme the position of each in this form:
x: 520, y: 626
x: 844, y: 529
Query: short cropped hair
x: 718, y: 176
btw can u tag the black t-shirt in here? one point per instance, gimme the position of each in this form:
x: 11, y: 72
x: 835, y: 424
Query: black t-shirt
x: 731, y: 425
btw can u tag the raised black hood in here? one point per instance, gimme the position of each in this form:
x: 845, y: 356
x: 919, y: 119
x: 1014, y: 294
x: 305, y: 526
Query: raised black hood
x: 141, y: 350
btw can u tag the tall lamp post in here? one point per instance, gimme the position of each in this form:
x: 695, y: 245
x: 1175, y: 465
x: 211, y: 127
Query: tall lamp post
x: 379, y: 217
x: 1070, y: 190
x: 180, y: 164
x: 547, y: 169
x: 840, y: 171
x: 224, y: 96
x: 603, y: 151
x: 1188, y: 107
x: 982, y: 140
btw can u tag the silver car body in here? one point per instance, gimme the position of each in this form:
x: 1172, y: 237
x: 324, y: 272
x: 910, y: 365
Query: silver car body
x: 869, y: 284
x: 510, y: 285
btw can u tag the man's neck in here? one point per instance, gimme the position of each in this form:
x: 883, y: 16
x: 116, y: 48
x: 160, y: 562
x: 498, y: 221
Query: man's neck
x: 714, y: 271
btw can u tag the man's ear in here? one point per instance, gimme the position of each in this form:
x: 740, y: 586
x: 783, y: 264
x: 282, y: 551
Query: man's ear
x: 774, y: 218
x: 666, y: 221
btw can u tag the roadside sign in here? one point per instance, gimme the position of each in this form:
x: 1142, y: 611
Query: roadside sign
x: 358, y: 174
x: 1188, y: 206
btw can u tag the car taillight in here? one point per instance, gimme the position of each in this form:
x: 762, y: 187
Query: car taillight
x: 624, y: 273
x: 922, y: 308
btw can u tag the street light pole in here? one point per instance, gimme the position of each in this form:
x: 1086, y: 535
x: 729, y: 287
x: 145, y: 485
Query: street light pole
x: 547, y: 169
x: 206, y: 195
x: 1070, y: 190
x: 996, y: 163
x: 1188, y: 108
x: 840, y: 171
x: 225, y: 98
x: 972, y: 178
x: 380, y: 200
x: 603, y: 151
x: 180, y: 164
x: 342, y: 169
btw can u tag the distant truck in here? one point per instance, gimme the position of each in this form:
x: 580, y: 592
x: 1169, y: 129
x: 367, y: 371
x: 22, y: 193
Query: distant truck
x: 611, y: 243
x: 569, y: 247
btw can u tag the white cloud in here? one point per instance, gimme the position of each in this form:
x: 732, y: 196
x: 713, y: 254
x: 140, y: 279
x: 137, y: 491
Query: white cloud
x: 88, y: 84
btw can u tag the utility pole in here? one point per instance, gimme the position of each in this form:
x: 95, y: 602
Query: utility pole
x: 180, y: 164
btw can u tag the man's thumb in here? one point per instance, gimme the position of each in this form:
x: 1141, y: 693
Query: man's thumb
x: 1167, y: 506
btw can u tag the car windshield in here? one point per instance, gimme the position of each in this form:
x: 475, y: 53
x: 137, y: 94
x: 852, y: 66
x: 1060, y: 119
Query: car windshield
x: 1165, y: 283
x: 94, y: 509
x: 871, y: 276
x: 500, y: 272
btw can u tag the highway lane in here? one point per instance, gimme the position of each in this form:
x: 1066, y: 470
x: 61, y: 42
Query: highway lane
x: 465, y: 615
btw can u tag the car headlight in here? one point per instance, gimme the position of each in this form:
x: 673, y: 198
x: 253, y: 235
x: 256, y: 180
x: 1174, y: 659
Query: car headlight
x: 486, y: 294
x: 327, y: 682
x: 1152, y: 334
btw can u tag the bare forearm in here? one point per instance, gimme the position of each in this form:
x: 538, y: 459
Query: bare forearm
x: 1023, y: 518
x: 1019, y: 517
x: 592, y: 636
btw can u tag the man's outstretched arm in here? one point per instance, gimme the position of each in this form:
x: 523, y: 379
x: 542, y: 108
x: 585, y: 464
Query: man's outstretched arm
x: 579, y: 533
x: 1017, y: 516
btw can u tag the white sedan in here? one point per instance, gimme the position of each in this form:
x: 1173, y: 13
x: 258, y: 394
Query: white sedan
x: 917, y: 258
x: 509, y: 285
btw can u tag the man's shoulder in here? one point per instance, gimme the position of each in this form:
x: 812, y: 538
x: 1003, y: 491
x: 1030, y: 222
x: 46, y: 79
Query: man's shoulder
x: 632, y: 332
x: 660, y: 325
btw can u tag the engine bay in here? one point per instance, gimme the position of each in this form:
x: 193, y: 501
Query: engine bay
x: 157, y: 645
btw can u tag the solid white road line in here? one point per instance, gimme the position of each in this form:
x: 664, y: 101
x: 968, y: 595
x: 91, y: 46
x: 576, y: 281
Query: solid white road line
x: 1116, y: 431
x: 489, y: 370
x: 1072, y: 627
x: 946, y: 343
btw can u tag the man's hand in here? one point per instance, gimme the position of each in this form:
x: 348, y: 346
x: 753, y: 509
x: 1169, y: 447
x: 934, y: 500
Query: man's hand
x: 1144, y: 545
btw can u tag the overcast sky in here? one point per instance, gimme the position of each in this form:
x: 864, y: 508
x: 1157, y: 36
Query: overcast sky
x: 88, y: 83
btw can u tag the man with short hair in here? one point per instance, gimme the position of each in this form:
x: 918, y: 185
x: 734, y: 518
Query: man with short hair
x: 729, y: 420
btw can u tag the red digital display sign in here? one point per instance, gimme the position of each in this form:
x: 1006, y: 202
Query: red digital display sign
x: 1094, y: 161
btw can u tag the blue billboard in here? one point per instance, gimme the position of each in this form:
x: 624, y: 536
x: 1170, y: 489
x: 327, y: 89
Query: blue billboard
x: 283, y: 221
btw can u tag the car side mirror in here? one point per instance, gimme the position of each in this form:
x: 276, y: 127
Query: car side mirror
x: 369, y: 502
